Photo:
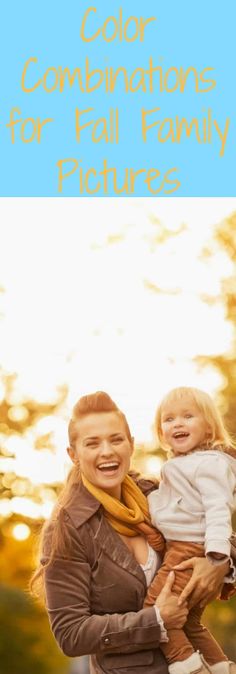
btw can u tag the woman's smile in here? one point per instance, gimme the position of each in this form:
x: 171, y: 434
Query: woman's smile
x: 109, y: 467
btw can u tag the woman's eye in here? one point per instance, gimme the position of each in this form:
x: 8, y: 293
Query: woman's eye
x: 117, y: 440
x: 188, y: 416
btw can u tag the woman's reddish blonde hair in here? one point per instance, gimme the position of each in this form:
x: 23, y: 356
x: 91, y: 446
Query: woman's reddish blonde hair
x: 94, y: 403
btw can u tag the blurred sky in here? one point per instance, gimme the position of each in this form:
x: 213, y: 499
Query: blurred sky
x: 104, y: 294
x: 92, y: 301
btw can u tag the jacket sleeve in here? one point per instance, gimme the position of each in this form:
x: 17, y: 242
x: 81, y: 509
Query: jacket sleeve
x: 77, y: 632
x: 216, y: 483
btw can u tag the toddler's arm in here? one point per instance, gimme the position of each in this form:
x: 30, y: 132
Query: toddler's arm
x: 216, y: 483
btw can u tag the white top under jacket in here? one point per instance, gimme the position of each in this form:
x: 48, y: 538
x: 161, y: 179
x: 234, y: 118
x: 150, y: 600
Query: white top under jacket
x: 150, y: 569
x: 196, y: 499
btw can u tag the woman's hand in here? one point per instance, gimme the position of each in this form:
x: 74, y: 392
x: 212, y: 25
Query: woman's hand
x: 206, y: 580
x: 172, y: 614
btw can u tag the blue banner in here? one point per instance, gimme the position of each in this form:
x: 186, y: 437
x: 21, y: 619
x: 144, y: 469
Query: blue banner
x: 118, y: 99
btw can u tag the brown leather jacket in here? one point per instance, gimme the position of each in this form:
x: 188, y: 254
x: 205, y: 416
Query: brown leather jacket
x: 95, y: 595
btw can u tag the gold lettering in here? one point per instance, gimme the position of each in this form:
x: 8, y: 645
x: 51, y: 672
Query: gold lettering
x: 82, y: 35
x: 133, y: 37
x: 143, y: 24
x: 114, y: 34
x: 212, y: 83
x: 133, y: 176
x: 13, y: 122
x: 63, y: 176
x: 146, y: 127
x: 71, y: 78
x: 188, y: 128
x: 170, y: 132
x: 88, y: 189
x: 184, y: 76
x: 103, y: 133
x: 78, y: 127
x: 176, y: 183
x: 40, y: 126
x: 89, y: 74
x: 32, y: 59
x: 176, y: 84
x: 54, y: 86
x: 22, y: 130
x: 223, y: 136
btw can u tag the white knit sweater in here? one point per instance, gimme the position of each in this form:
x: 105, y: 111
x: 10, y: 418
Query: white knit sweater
x: 196, y: 499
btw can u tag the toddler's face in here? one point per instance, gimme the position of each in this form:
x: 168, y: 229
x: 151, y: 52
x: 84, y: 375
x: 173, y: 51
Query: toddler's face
x: 183, y: 425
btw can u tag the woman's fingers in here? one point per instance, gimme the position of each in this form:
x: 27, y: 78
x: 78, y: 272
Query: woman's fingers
x: 183, y: 615
x: 166, y: 590
x: 188, y: 564
x: 186, y: 592
x: 205, y: 582
x: 197, y: 594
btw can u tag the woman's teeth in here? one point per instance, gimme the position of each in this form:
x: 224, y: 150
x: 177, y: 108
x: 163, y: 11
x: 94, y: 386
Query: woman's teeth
x: 108, y: 466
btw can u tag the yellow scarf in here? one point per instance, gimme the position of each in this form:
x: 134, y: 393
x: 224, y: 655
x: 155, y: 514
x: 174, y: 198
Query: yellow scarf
x: 130, y: 517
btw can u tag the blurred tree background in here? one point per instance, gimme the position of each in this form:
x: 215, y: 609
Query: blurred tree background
x: 26, y: 643
x: 225, y: 239
x: 221, y: 617
x: 28, y: 433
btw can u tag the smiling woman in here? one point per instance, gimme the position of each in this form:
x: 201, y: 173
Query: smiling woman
x: 100, y: 551
x: 102, y: 448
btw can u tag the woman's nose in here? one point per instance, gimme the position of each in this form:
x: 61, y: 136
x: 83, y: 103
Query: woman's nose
x: 106, y: 448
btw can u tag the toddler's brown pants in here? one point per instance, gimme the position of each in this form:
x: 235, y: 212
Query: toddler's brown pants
x: 193, y: 636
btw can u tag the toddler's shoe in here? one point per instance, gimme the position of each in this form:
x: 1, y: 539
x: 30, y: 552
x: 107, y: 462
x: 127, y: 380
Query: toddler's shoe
x: 225, y: 667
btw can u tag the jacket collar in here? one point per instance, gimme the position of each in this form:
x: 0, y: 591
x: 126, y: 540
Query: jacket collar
x: 82, y: 505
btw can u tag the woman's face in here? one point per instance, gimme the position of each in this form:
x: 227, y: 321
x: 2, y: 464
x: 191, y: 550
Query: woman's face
x: 103, y: 451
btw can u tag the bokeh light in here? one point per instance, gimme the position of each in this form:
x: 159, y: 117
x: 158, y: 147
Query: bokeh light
x: 20, y: 532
